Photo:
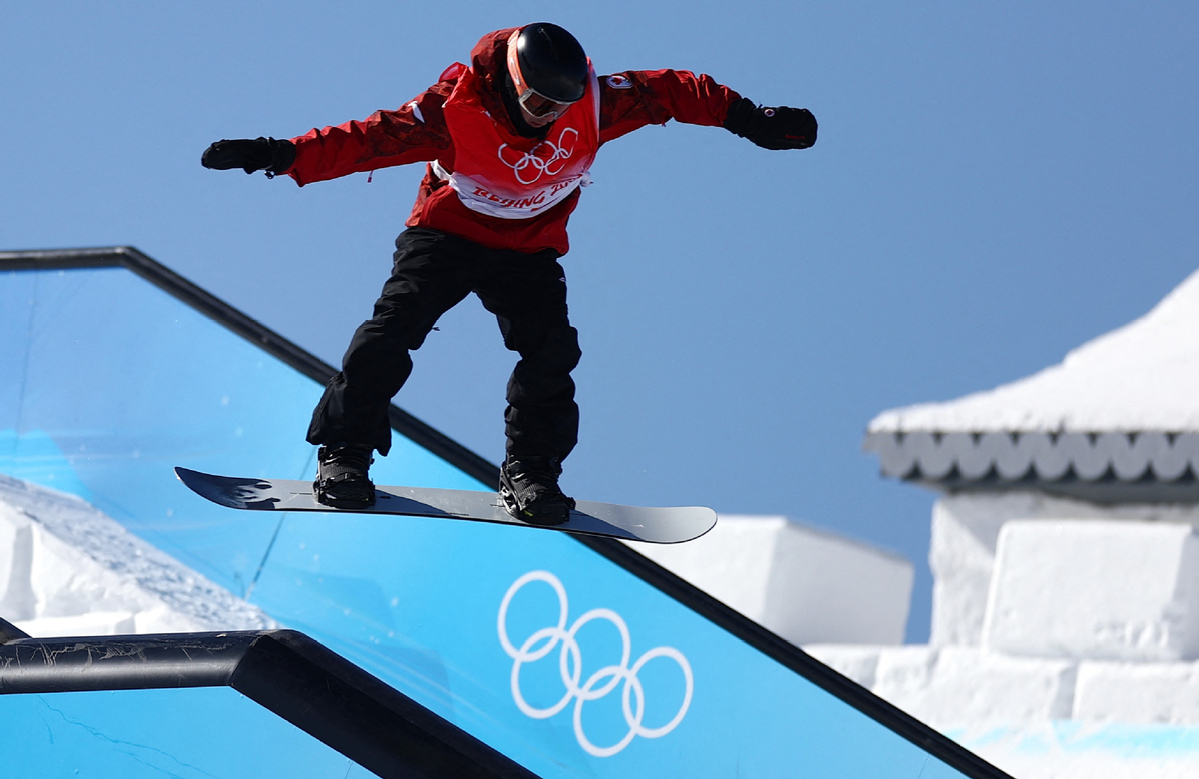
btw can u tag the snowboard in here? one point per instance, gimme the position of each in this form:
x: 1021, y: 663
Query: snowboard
x: 628, y: 523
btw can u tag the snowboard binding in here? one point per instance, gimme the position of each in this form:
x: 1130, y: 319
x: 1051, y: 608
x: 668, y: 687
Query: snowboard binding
x: 342, y: 481
x: 529, y: 490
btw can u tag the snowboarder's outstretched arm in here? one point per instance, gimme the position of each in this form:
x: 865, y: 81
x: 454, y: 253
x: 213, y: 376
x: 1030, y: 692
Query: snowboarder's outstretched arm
x: 635, y: 98
x: 415, y: 132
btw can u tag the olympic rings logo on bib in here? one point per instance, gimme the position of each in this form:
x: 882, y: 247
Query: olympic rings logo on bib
x: 546, y: 158
x: 570, y: 667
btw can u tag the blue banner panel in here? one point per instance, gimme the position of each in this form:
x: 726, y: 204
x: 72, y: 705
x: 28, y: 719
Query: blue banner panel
x: 559, y: 658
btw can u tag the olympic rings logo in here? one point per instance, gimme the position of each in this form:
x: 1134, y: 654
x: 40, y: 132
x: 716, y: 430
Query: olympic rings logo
x: 546, y: 158
x: 570, y: 667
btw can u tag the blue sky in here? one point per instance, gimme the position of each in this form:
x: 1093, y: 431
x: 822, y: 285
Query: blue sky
x: 994, y: 184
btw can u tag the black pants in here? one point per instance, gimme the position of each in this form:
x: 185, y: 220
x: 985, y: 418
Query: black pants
x: 433, y: 272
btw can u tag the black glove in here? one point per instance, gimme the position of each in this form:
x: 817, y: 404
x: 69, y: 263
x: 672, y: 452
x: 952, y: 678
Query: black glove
x: 772, y: 128
x: 250, y: 155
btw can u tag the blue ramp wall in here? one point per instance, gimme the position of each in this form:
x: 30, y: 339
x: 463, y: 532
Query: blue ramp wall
x: 150, y: 734
x: 554, y: 654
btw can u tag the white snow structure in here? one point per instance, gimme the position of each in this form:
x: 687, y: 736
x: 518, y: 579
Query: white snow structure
x: 67, y: 569
x: 1065, y: 556
x: 803, y: 584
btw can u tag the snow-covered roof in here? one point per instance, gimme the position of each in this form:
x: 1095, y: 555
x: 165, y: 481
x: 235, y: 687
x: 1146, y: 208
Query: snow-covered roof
x: 1122, y: 407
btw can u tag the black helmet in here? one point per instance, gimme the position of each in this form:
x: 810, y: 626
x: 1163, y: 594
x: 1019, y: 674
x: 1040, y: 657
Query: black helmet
x: 548, y: 60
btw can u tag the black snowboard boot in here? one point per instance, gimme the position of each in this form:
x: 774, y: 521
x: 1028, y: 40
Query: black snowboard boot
x: 529, y: 490
x: 341, y: 479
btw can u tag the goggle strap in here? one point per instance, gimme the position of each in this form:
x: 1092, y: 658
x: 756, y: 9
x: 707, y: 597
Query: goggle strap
x: 514, y: 64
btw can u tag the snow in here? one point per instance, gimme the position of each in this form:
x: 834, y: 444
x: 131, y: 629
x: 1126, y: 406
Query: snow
x: 1063, y: 637
x: 1143, y: 693
x: 1065, y: 634
x: 965, y: 537
x: 953, y: 685
x: 67, y: 569
x: 1041, y: 719
x: 965, y: 534
x: 803, y: 584
x: 1136, y: 378
x: 1071, y: 750
x: 1123, y: 590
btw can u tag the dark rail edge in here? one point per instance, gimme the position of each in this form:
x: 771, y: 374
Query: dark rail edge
x: 283, y: 671
x: 778, y: 649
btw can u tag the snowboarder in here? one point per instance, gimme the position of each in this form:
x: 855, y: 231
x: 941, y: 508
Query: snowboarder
x: 508, y: 142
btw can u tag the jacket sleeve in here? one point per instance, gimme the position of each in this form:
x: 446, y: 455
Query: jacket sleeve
x: 415, y: 132
x: 635, y: 98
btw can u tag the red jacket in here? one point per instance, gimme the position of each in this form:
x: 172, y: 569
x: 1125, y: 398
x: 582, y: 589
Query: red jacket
x: 417, y: 132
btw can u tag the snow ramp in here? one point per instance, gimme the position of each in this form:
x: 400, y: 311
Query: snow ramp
x: 571, y: 657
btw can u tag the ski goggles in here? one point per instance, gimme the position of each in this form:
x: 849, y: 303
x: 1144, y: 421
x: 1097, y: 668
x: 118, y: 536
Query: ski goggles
x: 530, y: 99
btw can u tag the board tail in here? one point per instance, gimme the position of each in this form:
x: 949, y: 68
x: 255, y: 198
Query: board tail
x: 231, y: 491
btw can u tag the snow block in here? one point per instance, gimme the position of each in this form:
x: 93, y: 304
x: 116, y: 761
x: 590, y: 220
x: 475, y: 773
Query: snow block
x: 965, y: 531
x: 965, y: 535
x: 1093, y: 589
x: 806, y: 585
x: 955, y: 686
x: 1142, y: 693
x: 17, y: 600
